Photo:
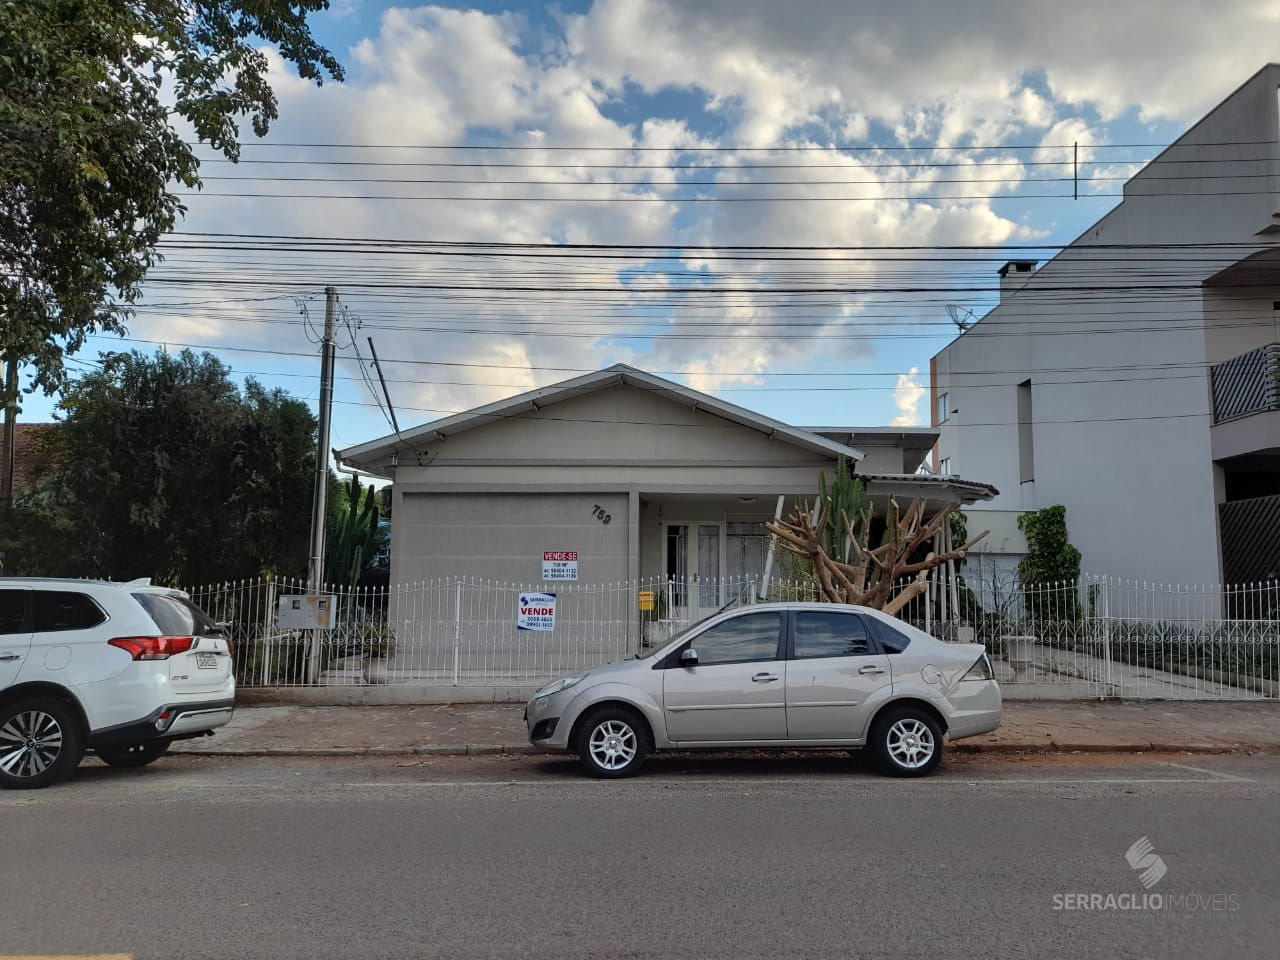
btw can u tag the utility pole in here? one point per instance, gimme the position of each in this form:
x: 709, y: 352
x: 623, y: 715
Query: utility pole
x: 315, y: 571
x: 395, y: 424
x: 7, y: 450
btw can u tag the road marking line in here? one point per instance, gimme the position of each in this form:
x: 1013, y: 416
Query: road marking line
x: 763, y: 782
x: 1217, y: 774
x: 255, y: 792
x: 68, y: 956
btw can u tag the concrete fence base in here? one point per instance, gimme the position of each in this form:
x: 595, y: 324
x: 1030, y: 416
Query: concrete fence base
x: 380, y: 695
x: 414, y: 694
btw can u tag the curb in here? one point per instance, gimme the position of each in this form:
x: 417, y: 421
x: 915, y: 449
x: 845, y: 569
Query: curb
x: 456, y: 750
x: 524, y: 749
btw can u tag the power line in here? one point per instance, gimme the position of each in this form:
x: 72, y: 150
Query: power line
x: 792, y: 198
x: 701, y: 166
x: 541, y: 415
x: 732, y: 389
x: 740, y: 148
x: 704, y: 290
x: 787, y: 199
x: 538, y: 415
x: 531, y: 245
x: 732, y: 184
x: 524, y: 368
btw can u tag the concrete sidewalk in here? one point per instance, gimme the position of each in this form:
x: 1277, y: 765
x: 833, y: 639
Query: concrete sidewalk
x: 475, y: 728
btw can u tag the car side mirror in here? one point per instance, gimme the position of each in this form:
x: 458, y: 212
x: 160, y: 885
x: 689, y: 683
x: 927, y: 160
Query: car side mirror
x: 688, y: 657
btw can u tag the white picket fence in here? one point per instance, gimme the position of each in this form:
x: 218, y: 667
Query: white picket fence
x: 1095, y: 637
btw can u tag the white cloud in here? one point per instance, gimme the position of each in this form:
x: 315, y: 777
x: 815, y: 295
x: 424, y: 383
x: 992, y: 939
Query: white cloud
x: 768, y: 73
x: 785, y: 61
x: 906, y: 397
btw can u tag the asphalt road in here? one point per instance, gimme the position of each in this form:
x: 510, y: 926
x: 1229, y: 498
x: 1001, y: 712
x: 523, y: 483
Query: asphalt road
x: 708, y: 858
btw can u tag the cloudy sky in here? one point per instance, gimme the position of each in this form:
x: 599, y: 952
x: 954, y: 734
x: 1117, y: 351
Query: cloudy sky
x: 670, y: 124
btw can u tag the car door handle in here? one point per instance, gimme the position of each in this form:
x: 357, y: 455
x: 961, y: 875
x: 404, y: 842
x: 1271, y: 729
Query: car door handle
x: 871, y: 668
x: 764, y: 677
x: 10, y: 656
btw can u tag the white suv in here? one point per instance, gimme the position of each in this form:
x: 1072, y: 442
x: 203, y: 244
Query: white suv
x: 122, y: 669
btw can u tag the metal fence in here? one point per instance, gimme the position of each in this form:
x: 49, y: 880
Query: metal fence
x: 1113, y: 637
x: 1095, y: 637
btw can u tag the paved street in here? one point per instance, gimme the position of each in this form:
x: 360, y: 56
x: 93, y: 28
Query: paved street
x: 711, y: 857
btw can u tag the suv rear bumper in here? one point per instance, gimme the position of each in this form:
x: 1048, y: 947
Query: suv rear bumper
x: 185, y: 720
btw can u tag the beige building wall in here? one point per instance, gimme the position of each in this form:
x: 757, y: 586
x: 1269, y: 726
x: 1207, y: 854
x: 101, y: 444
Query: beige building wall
x: 502, y: 536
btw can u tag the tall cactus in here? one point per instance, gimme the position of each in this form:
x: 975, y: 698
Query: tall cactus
x: 841, y: 504
x: 352, y: 542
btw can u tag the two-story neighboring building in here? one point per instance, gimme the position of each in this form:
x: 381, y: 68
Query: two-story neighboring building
x: 1133, y: 378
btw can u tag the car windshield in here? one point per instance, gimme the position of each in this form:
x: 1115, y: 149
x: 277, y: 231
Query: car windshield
x: 684, y: 634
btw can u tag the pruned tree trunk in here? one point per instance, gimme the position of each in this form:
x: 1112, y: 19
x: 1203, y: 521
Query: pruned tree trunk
x: 885, y: 577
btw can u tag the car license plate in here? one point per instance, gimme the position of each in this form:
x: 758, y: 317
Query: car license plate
x: 207, y: 661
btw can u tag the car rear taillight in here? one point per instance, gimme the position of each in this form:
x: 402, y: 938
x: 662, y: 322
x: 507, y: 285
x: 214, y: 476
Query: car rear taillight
x: 153, y: 648
x: 980, y: 670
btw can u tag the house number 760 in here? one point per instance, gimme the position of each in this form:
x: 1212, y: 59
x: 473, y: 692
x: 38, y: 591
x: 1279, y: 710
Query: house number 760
x: 598, y: 512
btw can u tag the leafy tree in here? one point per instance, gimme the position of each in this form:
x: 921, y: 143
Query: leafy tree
x: 89, y: 145
x: 167, y: 469
x: 1051, y: 566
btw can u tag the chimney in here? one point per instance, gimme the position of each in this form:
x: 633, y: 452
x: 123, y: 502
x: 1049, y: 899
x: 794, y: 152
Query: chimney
x: 1013, y: 275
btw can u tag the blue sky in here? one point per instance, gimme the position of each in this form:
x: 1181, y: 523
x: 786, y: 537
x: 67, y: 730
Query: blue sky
x: 741, y: 76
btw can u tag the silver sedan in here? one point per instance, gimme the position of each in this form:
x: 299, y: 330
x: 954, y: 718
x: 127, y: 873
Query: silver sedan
x: 776, y: 675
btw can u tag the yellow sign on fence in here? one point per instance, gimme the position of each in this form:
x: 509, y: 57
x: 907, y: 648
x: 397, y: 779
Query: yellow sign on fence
x: 646, y: 599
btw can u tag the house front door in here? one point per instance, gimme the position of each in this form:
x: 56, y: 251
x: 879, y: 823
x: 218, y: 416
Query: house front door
x: 694, y: 564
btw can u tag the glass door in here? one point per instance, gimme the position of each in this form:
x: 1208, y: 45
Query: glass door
x: 694, y: 565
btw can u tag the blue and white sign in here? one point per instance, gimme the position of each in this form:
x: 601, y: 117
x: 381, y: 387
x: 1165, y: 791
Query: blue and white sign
x: 537, y: 611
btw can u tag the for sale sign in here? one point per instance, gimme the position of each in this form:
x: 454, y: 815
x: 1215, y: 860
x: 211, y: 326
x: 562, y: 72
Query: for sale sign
x: 537, y: 611
x: 560, y: 565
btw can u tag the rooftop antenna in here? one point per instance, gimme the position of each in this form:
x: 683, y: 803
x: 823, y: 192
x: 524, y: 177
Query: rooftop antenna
x: 962, y: 317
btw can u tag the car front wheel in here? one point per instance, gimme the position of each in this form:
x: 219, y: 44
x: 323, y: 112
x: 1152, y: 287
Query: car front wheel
x: 907, y: 742
x: 612, y: 743
x: 40, y: 743
x: 134, y: 755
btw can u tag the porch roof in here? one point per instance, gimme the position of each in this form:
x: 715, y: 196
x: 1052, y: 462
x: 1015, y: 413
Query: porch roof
x: 375, y: 455
x: 930, y: 486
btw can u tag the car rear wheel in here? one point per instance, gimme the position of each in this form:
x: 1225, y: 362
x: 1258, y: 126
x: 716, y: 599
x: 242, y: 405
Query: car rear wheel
x: 907, y: 742
x: 40, y: 743
x: 134, y: 755
x: 612, y: 743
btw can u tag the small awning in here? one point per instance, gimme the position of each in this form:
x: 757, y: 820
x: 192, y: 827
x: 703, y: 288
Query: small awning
x: 939, y: 489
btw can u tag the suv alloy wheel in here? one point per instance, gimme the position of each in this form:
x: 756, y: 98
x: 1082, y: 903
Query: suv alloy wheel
x: 40, y: 743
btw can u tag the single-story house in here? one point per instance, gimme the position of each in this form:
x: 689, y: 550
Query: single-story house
x: 620, y: 476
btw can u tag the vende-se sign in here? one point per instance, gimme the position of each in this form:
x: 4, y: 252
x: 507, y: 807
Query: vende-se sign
x: 537, y: 611
x: 560, y: 565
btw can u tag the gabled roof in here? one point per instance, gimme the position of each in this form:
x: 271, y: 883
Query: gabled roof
x: 370, y: 455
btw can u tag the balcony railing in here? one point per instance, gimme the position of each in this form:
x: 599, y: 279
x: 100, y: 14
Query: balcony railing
x: 1249, y: 383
